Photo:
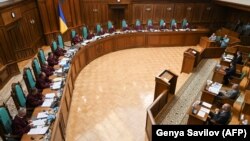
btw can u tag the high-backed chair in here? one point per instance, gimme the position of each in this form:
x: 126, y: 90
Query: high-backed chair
x: 161, y: 22
x: 150, y: 22
x: 41, y: 56
x: 138, y: 25
x: 183, y: 23
x: 19, y: 97
x: 36, y: 67
x: 84, y: 32
x: 29, y: 79
x: 5, y: 125
x: 53, y: 46
x: 98, y: 29
x: 172, y: 22
x: 124, y: 23
x: 109, y: 25
x: 60, y: 41
x: 72, y: 35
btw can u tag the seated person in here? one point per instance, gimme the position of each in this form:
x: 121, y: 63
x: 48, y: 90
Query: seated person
x: 111, y: 29
x: 91, y: 34
x: 125, y: 27
x: 42, y: 81
x: 35, y: 98
x: 212, y: 37
x: 20, y: 124
x: 230, y: 94
x: 186, y: 26
x: 229, y: 72
x: 77, y: 39
x: 101, y: 32
x: 48, y: 70
x: 221, y: 116
x: 59, y: 52
x: 163, y: 26
x: 238, y: 58
x: 52, y: 60
x: 174, y: 26
x: 224, y: 41
x: 138, y: 25
x: 150, y: 26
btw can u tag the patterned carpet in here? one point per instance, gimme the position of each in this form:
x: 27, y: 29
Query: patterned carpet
x: 191, y: 90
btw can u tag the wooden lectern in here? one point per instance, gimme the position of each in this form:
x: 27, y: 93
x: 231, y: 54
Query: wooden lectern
x: 190, y: 60
x: 165, y: 81
x: 205, y: 42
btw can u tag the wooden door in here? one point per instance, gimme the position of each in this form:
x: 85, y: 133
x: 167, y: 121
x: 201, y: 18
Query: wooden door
x: 118, y: 14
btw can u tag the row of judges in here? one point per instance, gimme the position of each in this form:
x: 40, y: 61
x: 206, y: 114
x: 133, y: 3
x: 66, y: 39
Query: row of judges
x: 87, y: 34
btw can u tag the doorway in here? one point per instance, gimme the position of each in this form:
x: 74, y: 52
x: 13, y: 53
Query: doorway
x: 117, y: 15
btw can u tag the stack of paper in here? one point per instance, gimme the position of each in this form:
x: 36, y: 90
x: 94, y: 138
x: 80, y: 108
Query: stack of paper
x: 208, y: 105
x: 56, y: 85
x: 50, y: 95
x: 47, y: 102
x: 206, y: 110
x: 39, y: 122
x: 201, y: 113
x: 42, y: 115
x: 57, y: 79
x: 214, y: 90
x: 39, y: 130
x: 58, y: 71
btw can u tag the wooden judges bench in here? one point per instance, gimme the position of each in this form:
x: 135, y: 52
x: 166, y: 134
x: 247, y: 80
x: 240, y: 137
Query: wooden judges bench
x: 102, y: 46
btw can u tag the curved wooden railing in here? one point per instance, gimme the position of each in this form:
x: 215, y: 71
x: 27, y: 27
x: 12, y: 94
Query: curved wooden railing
x: 95, y: 49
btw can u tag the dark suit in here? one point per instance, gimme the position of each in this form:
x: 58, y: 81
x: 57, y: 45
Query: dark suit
x: 138, y: 27
x: 238, y: 60
x: 59, y: 52
x: 221, y: 118
x: 47, y: 70
x: 229, y: 72
x: 20, y: 126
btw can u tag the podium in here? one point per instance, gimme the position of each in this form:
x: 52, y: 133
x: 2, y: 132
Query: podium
x: 190, y: 60
x: 165, y: 81
x: 205, y: 42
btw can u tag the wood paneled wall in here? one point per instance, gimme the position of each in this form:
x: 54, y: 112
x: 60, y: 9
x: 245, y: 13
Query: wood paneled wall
x: 91, y: 12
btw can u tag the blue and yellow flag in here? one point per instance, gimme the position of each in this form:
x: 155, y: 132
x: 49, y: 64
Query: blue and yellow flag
x: 62, y: 20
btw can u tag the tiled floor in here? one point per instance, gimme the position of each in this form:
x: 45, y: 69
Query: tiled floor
x: 112, y: 93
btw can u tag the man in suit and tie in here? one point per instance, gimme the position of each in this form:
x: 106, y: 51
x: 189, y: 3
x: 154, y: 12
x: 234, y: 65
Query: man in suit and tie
x: 221, y: 116
x: 230, y: 94
x: 238, y: 58
x: 229, y: 72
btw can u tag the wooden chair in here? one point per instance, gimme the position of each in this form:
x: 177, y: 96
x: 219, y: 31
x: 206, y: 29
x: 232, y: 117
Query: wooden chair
x: 5, y: 125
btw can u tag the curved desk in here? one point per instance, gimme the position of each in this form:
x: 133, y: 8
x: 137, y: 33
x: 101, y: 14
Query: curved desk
x: 95, y: 49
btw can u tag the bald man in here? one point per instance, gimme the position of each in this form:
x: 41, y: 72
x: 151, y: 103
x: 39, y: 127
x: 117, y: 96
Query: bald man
x: 230, y: 94
x: 221, y: 116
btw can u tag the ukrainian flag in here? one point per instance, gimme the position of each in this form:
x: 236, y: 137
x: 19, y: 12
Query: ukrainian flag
x: 62, y: 21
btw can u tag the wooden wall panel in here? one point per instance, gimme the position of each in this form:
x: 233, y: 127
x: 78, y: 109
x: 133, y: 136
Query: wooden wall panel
x: 137, y: 12
x: 147, y: 13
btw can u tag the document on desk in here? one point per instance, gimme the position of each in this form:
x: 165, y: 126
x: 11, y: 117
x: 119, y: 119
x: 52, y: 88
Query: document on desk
x: 201, y: 113
x: 50, y: 95
x: 57, y: 79
x: 206, y: 110
x: 39, y: 122
x: 213, y: 90
x: 59, y: 70
x: 39, y: 130
x: 47, y: 102
x: 206, y: 104
x: 56, y: 85
x: 42, y: 115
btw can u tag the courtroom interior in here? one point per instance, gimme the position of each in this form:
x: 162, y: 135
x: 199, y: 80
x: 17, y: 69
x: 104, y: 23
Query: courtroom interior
x: 107, y: 70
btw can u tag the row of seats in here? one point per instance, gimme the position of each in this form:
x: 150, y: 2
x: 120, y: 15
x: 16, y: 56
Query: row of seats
x: 18, y: 95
